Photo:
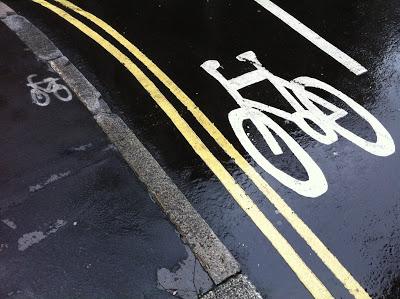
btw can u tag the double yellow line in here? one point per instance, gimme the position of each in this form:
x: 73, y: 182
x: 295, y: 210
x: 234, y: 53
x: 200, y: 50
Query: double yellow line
x: 303, y: 272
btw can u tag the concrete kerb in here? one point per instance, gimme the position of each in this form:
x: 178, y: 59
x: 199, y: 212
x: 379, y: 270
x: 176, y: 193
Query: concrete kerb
x: 5, y: 11
x: 217, y: 261
x: 43, y: 48
x: 212, y: 254
x: 238, y: 286
x: 85, y: 91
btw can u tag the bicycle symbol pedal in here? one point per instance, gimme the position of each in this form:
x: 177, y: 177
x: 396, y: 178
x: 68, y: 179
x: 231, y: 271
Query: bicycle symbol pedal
x: 41, y: 90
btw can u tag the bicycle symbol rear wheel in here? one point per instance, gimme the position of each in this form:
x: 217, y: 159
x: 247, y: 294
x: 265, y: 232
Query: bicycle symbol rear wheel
x: 40, y: 98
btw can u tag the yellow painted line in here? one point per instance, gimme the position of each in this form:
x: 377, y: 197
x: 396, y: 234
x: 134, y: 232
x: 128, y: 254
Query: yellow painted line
x: 305, y: 275
x: 300, y: 227
x: 311, y: 282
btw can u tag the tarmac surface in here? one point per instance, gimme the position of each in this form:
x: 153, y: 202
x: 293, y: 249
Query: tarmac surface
x: 75, y: 220
x: 353, y: 207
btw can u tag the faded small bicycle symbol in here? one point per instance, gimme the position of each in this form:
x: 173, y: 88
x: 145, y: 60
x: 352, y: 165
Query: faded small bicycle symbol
x: 40, y: 91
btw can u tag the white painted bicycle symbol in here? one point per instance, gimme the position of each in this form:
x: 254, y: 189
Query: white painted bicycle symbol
x: 40, y: 91
x: 305, y: 109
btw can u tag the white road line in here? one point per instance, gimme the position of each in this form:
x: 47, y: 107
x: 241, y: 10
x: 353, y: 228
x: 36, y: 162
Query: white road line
x: 313, y: 37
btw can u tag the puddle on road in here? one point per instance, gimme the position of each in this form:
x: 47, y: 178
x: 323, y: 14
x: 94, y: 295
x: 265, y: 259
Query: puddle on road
x: 187, y: 280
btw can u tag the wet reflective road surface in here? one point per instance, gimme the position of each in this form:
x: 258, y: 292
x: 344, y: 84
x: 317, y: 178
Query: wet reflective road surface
x: 75, y: 221
x: 352, y: 201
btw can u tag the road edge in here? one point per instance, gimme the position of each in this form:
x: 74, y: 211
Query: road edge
x: 215, y: 258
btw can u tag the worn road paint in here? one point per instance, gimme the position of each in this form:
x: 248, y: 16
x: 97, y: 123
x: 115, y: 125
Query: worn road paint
x: 11, y: 224
x: 82, y: 148
x: 3, y: 247
x: 110, y: 147
x: 304, y: 102
x: 29, y: 239
x: 41, y: 95
x: 313, y: 37
x: 50, y: 180
x: 296, y: 222
x: 302, y: 271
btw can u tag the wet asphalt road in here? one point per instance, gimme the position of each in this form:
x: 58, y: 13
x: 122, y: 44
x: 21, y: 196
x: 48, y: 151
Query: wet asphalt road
x: 61, y: 180
x: 358, y: 217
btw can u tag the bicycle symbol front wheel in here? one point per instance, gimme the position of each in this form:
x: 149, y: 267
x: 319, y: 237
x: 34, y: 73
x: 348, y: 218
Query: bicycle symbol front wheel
x: 63, y: 93
x: 383, y: 146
